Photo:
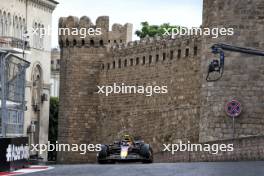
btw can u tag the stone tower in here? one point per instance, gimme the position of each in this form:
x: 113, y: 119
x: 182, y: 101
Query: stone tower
x: 243, y: 77
x: 80, y: 65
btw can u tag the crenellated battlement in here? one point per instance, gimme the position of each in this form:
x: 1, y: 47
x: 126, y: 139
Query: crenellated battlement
x: 82, y: 32
x: 149, y: 51
x: 165, y: 41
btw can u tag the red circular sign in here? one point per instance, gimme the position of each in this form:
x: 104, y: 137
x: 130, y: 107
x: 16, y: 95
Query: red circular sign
x: 233, y: 108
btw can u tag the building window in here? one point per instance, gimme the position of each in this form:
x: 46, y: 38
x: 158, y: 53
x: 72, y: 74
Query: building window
x: 179, y: 54
x: 101, y: 43
x: 113, y: 64
x: 195, y: 49
x: 102, y: 66
x: 125, y: 63
x: 143, y: 60
x: 157, y: 58
x: 137, y: 61
x: 119, y: 63
x: 164, y: 56
x: 92, y: 42
x: 131, y: 62
x: 171, y: 55
x: 108, y: 66
x: 150, y: 59
x: 74, y: 42
x: 187, y: 52
x: 52, y: 62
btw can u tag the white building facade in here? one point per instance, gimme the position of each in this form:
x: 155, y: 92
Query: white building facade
x: 18, y: 17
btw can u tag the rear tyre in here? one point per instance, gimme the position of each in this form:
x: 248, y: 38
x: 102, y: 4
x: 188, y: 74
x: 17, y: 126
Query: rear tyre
x: 102, y: 155
x: 146, y: 152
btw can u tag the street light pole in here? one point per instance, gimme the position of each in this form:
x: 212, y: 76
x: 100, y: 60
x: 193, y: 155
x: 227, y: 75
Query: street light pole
x: 3, y: 93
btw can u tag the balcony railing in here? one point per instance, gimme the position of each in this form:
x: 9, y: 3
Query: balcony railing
x: 13, y: 43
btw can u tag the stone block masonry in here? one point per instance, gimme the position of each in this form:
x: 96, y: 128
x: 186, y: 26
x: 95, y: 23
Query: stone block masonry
x: 192, y: 110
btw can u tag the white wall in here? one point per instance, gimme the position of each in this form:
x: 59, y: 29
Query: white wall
x: 40, y: 54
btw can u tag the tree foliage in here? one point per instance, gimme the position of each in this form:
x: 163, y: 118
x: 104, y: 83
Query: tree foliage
x: 53, y: 125
x: 152, y: 30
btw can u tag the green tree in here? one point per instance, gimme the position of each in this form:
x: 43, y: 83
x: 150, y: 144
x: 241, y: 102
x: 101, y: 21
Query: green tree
x: 53, y: 125
x: 152, y: 30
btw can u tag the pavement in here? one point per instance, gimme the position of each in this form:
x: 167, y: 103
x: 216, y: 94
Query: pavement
x: 247, y: 168
x: 31, y: 169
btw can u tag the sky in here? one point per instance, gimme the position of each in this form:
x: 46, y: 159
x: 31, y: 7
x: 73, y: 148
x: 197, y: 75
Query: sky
x: 186, y: 13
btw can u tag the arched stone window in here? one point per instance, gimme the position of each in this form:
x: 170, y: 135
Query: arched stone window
x: 24, y: 26
x: 42, y: 38
x: 15, y: 21
x: 1, y: 23
x: 19, y: 26
x: 4, y: 23
x: 9, y: 24
x: 38, y: 38
x: 35, y: 26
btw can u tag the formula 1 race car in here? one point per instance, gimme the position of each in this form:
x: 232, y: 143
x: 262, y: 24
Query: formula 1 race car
x: 125, y: 149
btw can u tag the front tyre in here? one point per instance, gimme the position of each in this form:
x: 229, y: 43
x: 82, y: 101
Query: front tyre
x: 147, y: 153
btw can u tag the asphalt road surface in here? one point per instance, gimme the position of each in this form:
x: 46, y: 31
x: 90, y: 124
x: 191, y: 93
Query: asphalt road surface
x: 159, y: 169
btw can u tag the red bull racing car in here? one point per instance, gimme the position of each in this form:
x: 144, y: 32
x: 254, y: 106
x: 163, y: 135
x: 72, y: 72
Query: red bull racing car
x: 125, y: 149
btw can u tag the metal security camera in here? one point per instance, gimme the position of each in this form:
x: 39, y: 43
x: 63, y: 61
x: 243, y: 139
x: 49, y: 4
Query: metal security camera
x: 214, y: 66
x: 217, y: 65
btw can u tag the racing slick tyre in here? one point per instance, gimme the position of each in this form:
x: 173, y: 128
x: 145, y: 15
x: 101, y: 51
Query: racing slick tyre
x: 147, y: 153
x: 102, y: 154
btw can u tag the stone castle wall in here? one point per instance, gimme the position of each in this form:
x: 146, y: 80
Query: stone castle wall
x: 159, y: 118
x: 243, y: 77
x: 193, y: 109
